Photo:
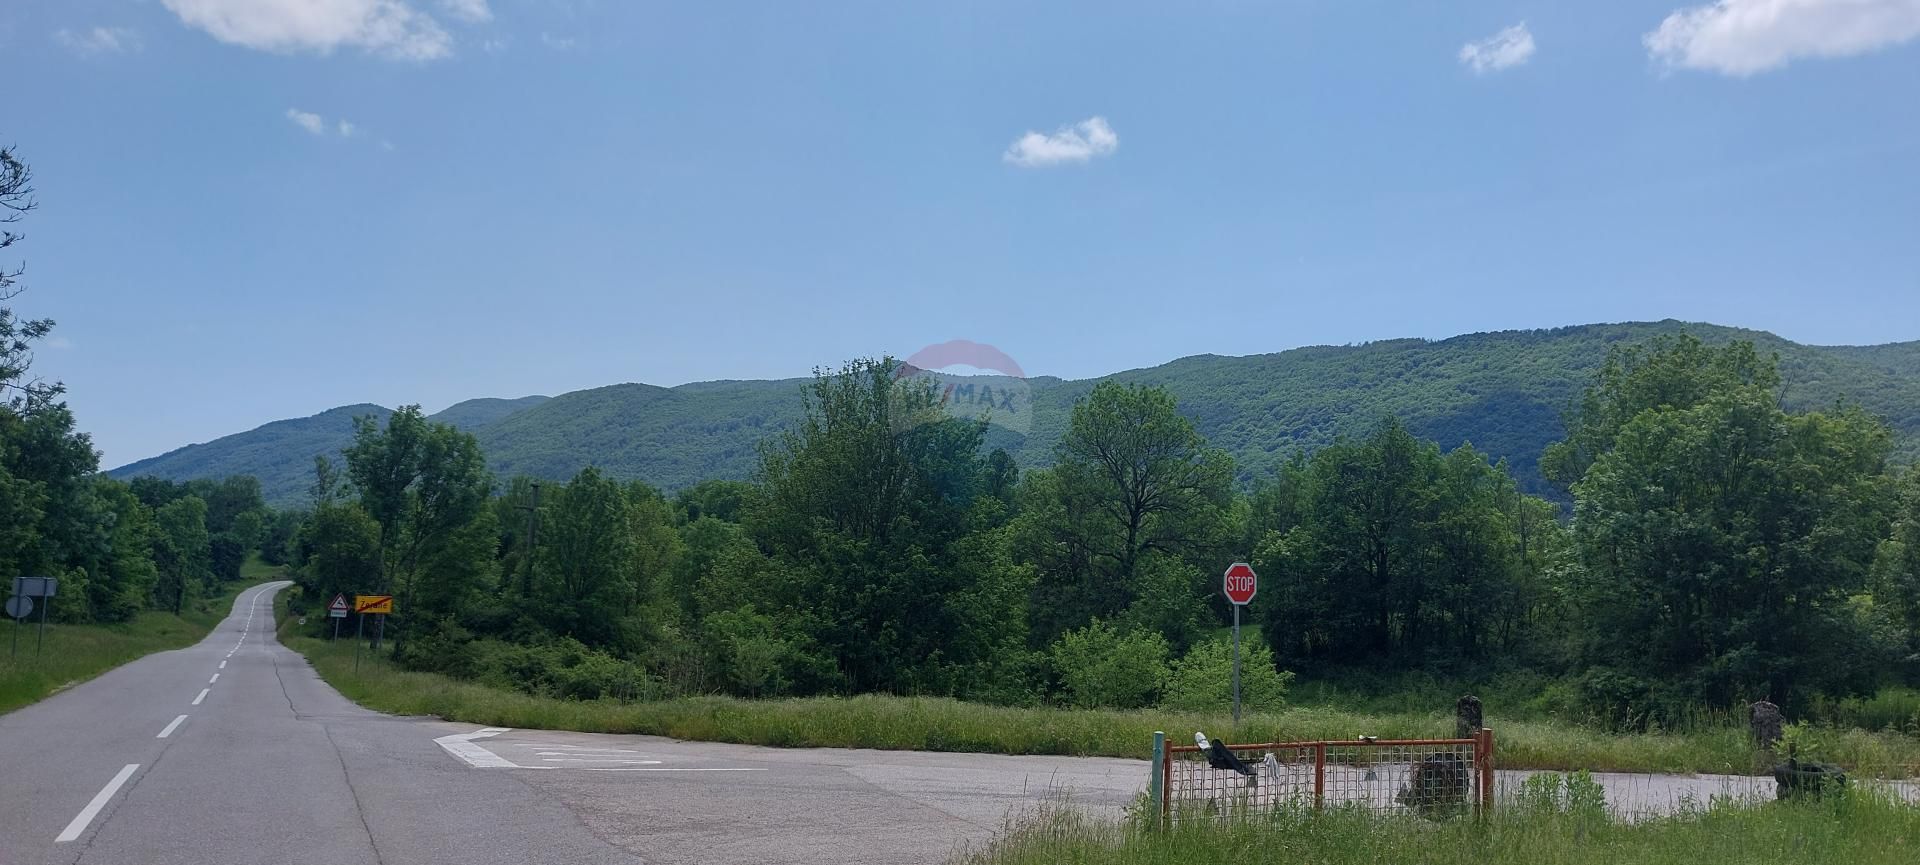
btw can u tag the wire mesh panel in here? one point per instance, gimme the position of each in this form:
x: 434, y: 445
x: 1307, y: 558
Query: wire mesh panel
x: 1432, y: 777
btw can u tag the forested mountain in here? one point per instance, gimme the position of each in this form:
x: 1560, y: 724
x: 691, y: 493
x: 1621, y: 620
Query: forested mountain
x: 1504, y: 392
x: 281, y: 453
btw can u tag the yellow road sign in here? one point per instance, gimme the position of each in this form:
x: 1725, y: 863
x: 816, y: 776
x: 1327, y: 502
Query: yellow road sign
x: 376, y: 604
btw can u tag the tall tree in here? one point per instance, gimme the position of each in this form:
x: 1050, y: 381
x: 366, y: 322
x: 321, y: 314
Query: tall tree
x: 422, y: 483
x: 1132, y: 479
x: 1719, y: 536
x: 586, y: 559
x: 17, y: 335
x: 864, y: 502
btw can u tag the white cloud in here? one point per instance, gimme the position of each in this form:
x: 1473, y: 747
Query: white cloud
x: 1503, y: 50
x: 475, y: 11
x: 1076, y: 143
x: 1742, y: 37
x: 98, y: 40
x: 318, y: 125
x: 387, y: 27
x: 307, y: 120
x: 557, y: 43
x: 59, y: 343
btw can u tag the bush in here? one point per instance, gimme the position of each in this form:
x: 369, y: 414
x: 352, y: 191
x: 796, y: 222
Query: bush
x: 1202, y: 681
x: 1574, y: 794
x: 1100, y: 667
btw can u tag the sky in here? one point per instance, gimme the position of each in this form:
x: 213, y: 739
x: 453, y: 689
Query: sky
x: 260, y: 209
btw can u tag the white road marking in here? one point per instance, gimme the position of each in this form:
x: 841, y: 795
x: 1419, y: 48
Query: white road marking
x: 223, y: 665
x: 216, y: 678
x: 600, y: 760
x: 581, y: 751
x: 86, y: 815
x: 461, y: 745
x: 203, y: 695
x: 649, y: 768
x: 170, y: 727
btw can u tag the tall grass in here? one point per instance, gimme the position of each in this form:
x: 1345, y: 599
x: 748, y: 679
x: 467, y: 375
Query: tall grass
x: 76, y: 653
x: 1854, y: 830
x: 938, y: 724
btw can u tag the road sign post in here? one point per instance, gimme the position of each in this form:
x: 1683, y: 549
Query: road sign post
x: 372, y: 605
x: 1240, y: 584
x: 336, y: 611
x: 19, y: 607
x: 25, y: 589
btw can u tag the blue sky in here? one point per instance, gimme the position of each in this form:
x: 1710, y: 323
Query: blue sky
x: 535, y: 196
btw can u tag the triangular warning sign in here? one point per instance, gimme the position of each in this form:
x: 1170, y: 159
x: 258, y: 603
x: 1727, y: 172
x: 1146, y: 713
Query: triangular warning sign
x: 339, y: 603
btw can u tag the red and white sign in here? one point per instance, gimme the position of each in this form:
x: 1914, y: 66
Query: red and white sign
x: 1241, y: 583
x: 338, y: 609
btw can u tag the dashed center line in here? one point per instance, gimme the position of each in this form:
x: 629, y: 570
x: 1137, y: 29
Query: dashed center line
x: 100, y: 799
x: 223, y: 665
x: 171, y: 727
x: 203, y: 695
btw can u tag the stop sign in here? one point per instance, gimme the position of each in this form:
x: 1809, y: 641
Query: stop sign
x: 1241, y: 582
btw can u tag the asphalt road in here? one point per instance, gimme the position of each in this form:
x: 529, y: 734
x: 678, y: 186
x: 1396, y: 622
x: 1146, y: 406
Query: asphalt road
x: 233, y: 752
x: 159, y: 762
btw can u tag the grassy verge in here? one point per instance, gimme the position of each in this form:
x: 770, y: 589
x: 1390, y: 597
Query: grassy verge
x: 1858, y: 830
x: 934, y: 724
x: 75, y: 653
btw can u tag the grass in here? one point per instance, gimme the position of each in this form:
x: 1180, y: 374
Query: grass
x: 938, y: 724
x: 76, y: 653
x: 1854, y: 830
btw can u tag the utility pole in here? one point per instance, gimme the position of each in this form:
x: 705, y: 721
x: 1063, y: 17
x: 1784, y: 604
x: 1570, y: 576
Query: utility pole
x: 533, y: 539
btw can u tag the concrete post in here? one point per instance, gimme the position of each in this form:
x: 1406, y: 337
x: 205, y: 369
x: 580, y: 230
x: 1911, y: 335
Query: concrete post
x: 1468, y: 717
x: 1765, y: 722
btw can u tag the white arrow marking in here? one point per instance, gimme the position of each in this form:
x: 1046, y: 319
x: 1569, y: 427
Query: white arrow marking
x: 461, y: 745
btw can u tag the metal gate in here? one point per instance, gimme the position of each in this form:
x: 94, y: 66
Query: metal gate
x: 1431, y: 777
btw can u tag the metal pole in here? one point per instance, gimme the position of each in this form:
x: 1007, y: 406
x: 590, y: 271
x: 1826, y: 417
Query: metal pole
x: 379, y: 630
x: 41, y: 637
x: 1236, y: 666
x: 336, y: 625
x: 16, y: 634
x: 533, y: 540
x: 1156, y: 784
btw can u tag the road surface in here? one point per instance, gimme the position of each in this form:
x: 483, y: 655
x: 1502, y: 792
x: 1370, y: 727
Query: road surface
x: 233, y: 752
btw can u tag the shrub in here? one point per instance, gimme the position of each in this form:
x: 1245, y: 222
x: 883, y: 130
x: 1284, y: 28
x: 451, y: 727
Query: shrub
x: 1101, y: 667
x: 1202, y: 681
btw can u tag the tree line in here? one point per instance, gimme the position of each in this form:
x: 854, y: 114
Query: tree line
x: 117, y: 548
x: 1719, y: 549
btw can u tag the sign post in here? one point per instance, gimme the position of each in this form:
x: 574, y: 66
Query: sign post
x: 25, y: 589
x: 337, y: 611
x: 19, y: 607
x: 1240, y: 584
x: 371, y: 605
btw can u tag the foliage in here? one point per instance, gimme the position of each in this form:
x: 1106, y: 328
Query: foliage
x: 1394, y: 549
x: 942, y: 724
x: 1573, y: 794
x: 1720, y: 537
x: 1857, y: 831
x: 422, y: 483
x: 1202, y: 680
x: 1103, y: 668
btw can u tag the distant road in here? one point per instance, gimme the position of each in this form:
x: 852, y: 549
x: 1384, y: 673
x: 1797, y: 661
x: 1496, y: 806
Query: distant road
x: 233, y: 752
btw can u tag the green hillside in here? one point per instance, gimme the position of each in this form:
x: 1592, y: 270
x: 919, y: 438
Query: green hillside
x: 281, y: 453
x: 1502, y: 391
